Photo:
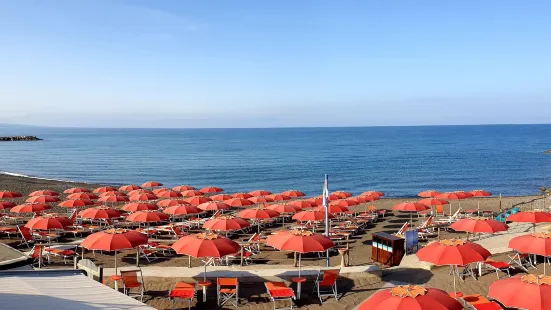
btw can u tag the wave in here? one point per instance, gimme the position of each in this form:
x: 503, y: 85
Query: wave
x: 13, y: 174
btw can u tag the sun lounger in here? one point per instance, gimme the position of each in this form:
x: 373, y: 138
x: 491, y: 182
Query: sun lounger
x: 449, y: 219
x: 498, y: 266
x: 278, y: 292
x: 8, y: 231
x: 184, y: 291
x: 65, y: 253
x: 480, y: 302
x: 523, y: 261
x: 146, y: 253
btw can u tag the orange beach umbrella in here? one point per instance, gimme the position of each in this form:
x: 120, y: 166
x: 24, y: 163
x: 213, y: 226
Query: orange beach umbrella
x: 101, y: 212
x: 408, y: 297
x: 152, y: 184
x: 45, y: 192
x: 42, y: 199
x: 260, y: 192
x: 429, y: 194
x: 9, y: 194
x: 171, y: 202
x: 242, y: 195
x: 195, y: 201
x: 226, y: 223
x: 221, y: 197
x: 139, y: 206
x: 179, y: 210
x: 214, y: 206
x: 181, y: 188
x: 6, y: 205
x: 48, y: 222
x: 88, y: 196
x: 127, y: 188
x: 73, y: 190
x: 30, y: 208
x: 211, y: 189
x: 532, y: 292
x: 104, y: 189
x: 293, y: 193
x: 76, y: 203
x: 238, y: 202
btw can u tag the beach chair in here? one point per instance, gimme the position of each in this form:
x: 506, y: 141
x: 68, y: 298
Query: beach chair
x: 133, y: 279
x: 8, y: 231
x: 67, y: 253
x: 278, y: 292
x: 147, y: 253
x: 27, y: 237
x: 178, y: 233
x: 184, y: 291
x: 36, y: 253
x: 449, y: 219
x: 326, y: 284
x: 227, y: 291
x: 498, y: 266
x: 439, y: 210
x: 523, y: 261
x: 402, y: 231
x: 479, y: 302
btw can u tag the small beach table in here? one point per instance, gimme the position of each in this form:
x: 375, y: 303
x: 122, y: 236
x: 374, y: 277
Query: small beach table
x: 204, y: 285
x: 298, y: 281
x: 116, y: 278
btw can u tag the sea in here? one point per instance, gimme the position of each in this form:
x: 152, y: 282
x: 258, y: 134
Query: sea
x: 400, y: 161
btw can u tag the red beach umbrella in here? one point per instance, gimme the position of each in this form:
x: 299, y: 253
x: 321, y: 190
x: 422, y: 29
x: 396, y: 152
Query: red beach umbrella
x: 373, y: 193
x: 342, y: 194
x: 113, y: 199
x: 303, y: 204
x: 226, y: 223
x: 76, y: 203
x: 182, y: 188
x: 147, y: 217
x: 260, y: 199
x: 260, y: 192
x: 169, y: 194
x: 45, y: 192
x: 87, y: 196
x: 6, y: 205
x: 532, y: 292
x: 214, y: 206
x: 171, y: 202
x: 242, y: 195
x: 143, y: 197
x: 101, y: 212
x: 179, y: 210
x: 104, y: 189
x: 479, y: 225
x: 533, y: 217
x: 211, y: 189
x: 311, y: 215
x: 434, y: 202
x: 465, y: 194
x: 157, y: 191
x: 451, y: 196
x: 139, y: 206
x: 481, y: 193
x: 258, y: 214
x: 152, y: 184
x: 127, y: 188
x: 42, y: 199
x: 114, y: 240
x: 195, y: 201
x: 536, y: 243
x: 238, y: 202
x: 48, y: 222
x: 139, y: 192
x: 73, y: 190
x: 410, y: 207
x: 332, y: 209
x: 344, y: 203
x: 112, y: 193
x: 331, y: 197
x: 221, y: 197
x: 285, y: 208
x: 429, y: 194
x: 205, y: 245
x: 408, y: 297
x: 293, y: 193
x: 192, y: 193
x: 359, y: 199
x: 278, y: 197
x: 9, y: 194
x: 30, y: 208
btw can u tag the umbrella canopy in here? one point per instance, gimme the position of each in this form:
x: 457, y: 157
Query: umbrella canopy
x: 481, y: 193
x: 192, y: 193
x: 408, y: 297
x: 359, y: 199
x: 169, y: 194
x: 127, y: 188
x: 429, y: 194
x: 260, y: 199
x: 42, y: 199
x: 373, y: 193
x: 211, y: 189
x: 139, y: 192
x: 260, y: 192
x: 152, y: 184
x: 171, y: 202
x: 299, y: 241
x: 87, y: 196
x: 181, y: 188
x: 221, y: 197
x: 311, y: 215
x: 45, y: 192
x: 238, y: 202
x: 114, y: 240
x: 76, y: 203
x: 410, y: 207
x: 195, y: 201
x: 113, y: 199
x: 319, y: 199
x: 112, y: 193
x: 242, y: 195
x: 453, y: 252
x: 73, y: 190
x: 278, y: 197
x: 303, y: 204
x: 285, y: 208
x: 143, y: 197
x: 213, y: 206
x: 342, y: 194
x: 47, y: 222
x: 332, y: 209
x: 157, y: 191
x: 434, y: 202
x: 30, y: 208
x: 451, y: 196
x: 104, y: 189
x: 6, y: 205
x: 101, y: 212
x: 344, y: 203
x: 369, y: 198
x: 226, y: 223
x: 182, y: 210
x: 536, y: 243
x: 293, y: 193
x: 532, y: 292
x: 465, y: 194
x: 147, y: 217
x: 139, y: 206
x: 9, y: 194
x: 205, y: 245
x: 258, y: 213
x: 530, y: 217
x: 479, y: 225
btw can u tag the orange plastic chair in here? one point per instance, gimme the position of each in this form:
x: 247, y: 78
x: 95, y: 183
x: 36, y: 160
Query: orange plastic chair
x: 440, y: 210
x: 130, y: 280
x: 227, y: 289
x: 327, y: 286
x: 183, y: 290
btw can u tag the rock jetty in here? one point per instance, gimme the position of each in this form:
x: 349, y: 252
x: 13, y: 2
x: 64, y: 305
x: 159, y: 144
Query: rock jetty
x: 548, y: 152
x: 20, y: 138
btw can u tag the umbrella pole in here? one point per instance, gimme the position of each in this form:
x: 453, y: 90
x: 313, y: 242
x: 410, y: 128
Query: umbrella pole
x: 299, y: 265
x: 115, y: 262
x: 454, y: 290
x: 544, y: 259
x: 205, y: 274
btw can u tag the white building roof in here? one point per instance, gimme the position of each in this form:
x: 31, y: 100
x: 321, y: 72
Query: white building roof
x: 60, y: 290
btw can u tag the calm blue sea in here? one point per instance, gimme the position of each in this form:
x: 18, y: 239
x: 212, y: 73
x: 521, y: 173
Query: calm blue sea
x: 400, y: 161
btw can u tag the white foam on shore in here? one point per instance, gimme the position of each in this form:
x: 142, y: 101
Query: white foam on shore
x: 38, y: 178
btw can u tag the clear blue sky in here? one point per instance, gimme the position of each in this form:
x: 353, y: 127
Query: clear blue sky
x: 274, y: 63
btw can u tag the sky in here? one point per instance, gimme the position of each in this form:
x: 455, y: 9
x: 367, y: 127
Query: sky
x: 179, y: 63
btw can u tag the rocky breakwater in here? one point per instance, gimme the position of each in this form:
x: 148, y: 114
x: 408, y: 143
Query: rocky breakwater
x: 19, y: 138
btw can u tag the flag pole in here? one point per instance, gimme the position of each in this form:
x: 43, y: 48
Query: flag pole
x: 326, y: 206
